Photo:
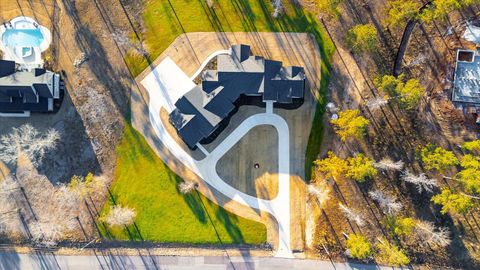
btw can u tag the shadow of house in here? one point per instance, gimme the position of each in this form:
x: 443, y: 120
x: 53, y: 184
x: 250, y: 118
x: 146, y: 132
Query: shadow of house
x: 74, y: 153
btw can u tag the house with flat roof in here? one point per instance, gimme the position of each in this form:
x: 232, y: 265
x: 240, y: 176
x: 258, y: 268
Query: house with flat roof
x: 23, y: 91
x: 240, y: 78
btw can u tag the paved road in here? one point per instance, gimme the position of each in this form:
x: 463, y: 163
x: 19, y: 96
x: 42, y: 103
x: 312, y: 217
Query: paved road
x: 279, y: 207
x: 13, y: 261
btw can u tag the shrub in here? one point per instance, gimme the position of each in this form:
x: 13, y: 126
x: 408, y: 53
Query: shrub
x: 358, y: 246
x: 390, y: 254
x: 400, y: 11
x: 399, y: 226
x: 438, y: 158
x: 332, y: 165
x: 350, y: 124
x: 360, y: 168
x: 362, y: 38
x: 452, y: 202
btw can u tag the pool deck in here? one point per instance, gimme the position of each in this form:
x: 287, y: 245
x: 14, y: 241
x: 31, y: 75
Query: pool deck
x: 32, y: 58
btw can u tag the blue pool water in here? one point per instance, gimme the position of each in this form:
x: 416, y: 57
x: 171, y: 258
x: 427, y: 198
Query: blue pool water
x: 22, y: 38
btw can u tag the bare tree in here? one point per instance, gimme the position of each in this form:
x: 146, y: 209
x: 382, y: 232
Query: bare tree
x: 124, y: 41
x: 277, y: 8
x: 352, y: 214
x: 388, y: 164
x: 421, y: 181
x: 11, y: 224
x: 80, y: 59
x: 28, y: 141
x: 427, y: 233
x: 320, y: 193
x: 376, y: 103
x: 46, y: 233
x: 119, y: 216
x: 387, y: 203
x: 82, y: 187
x: 187, y: 187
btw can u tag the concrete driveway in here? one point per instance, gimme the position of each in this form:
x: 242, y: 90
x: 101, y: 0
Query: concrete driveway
x: 279, y: 207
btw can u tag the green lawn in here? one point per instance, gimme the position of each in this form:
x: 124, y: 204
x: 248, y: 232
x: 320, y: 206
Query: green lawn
x: 162, y: 27
x: 145, y: 183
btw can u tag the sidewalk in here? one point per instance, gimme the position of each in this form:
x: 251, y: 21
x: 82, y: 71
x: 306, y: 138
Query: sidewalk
x: 105, y: 261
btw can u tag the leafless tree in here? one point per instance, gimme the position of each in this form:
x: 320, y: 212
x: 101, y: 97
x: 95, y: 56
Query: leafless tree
x: 10, y: 224
x: 421, y: 181
x: 51, y: 210
x: 80, y: 59
x: 28, y: 141
x: 124, y: 41
x: 277, y: 8
x: 427, y: 233
x: 320, y: 193
x: 46, y: 233
x: 376, y: 103
x: 119, y: 216
x: 388, y: 164
x: 187, y: 187
x: 387, y: 203
x: 351, y: 214
x: 332, y: 108
x: 82, y: 187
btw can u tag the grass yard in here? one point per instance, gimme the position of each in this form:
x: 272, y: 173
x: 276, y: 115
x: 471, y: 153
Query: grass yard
x: 163, y: 25
x: 165, y: 20
x: 145, y: 183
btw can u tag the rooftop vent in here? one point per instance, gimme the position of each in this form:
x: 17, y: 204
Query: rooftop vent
x: 465, y: 56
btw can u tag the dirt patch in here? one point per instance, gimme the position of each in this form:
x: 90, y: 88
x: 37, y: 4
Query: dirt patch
x: 253, y: 170
x: 91, y: 118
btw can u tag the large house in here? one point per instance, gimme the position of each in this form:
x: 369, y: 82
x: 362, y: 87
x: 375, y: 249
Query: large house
x: 24, y: 91
x: 240, y: 78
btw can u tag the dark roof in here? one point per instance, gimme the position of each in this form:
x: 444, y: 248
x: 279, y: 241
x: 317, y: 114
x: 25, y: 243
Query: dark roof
x: 200, y: 111
x: 25, y: 90
x: 6, y: 68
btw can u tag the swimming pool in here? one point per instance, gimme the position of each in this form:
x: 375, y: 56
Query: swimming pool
x: 22, y: 38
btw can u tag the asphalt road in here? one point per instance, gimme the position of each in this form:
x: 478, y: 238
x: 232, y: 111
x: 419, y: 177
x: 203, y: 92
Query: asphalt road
x: 13, y: 261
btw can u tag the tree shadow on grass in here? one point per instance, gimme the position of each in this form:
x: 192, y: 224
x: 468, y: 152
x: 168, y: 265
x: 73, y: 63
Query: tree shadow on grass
x: 193, y: 201
x: 228, y: 223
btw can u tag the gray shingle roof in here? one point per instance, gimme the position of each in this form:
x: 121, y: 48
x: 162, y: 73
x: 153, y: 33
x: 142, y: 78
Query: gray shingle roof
x: 25, y: 90
x: 199, y: 112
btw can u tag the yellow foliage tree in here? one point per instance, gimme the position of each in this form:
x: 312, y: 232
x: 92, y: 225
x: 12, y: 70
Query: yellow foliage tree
x: 360, y: 168
x: 390, y: 254
x: 438, y: 158
x: 332, y: 165
x: 358, y: 246
x: 350, y: 124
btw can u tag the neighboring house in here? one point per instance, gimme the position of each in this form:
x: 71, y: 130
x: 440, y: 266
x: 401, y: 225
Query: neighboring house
x: 25, y: 91
x: 466, y: 83
x: 240, y: 78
